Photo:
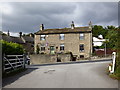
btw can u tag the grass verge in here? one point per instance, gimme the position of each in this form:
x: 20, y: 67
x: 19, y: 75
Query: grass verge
x: 116, y: 75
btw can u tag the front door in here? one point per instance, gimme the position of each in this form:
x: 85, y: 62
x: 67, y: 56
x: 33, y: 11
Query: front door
x: 52, y: 50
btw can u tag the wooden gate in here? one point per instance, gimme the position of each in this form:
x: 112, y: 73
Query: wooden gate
x: 13, y: 62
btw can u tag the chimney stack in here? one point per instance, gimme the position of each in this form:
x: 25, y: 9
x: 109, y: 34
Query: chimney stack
x: 41, y: 27
x: 90, y: 24
x: 20, y: 33
x: 72, y: 25
x: 8, y: 33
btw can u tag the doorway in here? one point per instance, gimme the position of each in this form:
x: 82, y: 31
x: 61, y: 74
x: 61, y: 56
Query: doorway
x: 52, y: 50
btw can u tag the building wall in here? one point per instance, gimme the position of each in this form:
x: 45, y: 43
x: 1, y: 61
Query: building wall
x: 71, y: 43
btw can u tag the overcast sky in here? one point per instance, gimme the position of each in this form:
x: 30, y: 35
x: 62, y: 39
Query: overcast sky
x: 27, y: 17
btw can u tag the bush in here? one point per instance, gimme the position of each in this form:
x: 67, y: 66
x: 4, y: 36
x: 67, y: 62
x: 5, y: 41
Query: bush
x: 11, y: 48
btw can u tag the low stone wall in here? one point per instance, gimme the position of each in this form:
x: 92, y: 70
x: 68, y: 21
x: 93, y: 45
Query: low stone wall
x: 45, y: 58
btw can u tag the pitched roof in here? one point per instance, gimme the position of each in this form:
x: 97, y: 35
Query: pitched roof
x: 28, y: 38
x: 17, y: 40
x: 64, y: 30
x: 12, y: 39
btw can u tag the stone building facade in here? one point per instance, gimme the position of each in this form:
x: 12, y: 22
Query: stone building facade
x: 77, y: 40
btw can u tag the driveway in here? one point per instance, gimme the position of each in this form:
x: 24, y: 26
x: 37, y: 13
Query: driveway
x: 79, y: 75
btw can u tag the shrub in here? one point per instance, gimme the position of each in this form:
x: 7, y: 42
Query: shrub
x: 11, y: 48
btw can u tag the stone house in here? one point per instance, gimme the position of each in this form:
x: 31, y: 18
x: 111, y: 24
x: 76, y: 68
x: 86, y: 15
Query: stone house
x: 77, y: 40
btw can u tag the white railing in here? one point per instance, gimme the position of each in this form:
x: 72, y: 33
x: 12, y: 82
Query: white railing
x: 13, y: 62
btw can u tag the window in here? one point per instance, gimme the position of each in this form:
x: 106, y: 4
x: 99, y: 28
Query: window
x: 81, y: 36
x: 62, y: 36
x: 42, y: 48
x: 81, y: 56
x: 81, y: 47
x: 42, y: 37
x: 61, y: 47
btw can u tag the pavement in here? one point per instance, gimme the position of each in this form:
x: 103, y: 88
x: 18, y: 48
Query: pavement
x: 75, y: 75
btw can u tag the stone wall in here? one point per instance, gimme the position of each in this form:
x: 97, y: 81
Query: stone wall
x: 46, y: 58
x: 71, y: 43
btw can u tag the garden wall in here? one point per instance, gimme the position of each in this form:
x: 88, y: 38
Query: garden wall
x: 46, y: 58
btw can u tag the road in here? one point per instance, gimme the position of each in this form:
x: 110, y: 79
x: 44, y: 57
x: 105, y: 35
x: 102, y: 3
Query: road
x: 79, y: 75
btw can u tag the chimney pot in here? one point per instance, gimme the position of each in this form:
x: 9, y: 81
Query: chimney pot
x: 72, y: 25
x: 41, y: 27
x: 8, y: 33
x: 20, y: 33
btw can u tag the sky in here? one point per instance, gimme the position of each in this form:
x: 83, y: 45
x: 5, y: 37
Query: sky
x: 27, y: 17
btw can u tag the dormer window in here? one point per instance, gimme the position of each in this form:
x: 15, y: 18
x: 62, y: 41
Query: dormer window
x: 42, y: 37
x: 62, y: 36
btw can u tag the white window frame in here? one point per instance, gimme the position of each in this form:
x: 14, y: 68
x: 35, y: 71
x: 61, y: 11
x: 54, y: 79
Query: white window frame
x: 42, y: 37
x: 62, y: 36
x: 63, y: 47
x: 41, y: 47
x: 82, y: 49
x: 82, y: 36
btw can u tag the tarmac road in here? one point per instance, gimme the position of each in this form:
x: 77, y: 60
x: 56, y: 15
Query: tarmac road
x: 79, y: 75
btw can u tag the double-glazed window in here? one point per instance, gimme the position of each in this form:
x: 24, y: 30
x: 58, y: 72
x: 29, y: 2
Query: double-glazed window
x: 62, y: 47
x: 81, y: 36
x: 42, y: 37
x: 62, y: 36
x: 42, y: 48
x: 81, y: 47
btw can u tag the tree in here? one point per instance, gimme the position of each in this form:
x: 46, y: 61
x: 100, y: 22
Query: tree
x: 112, y: 36
x: 99, y: 30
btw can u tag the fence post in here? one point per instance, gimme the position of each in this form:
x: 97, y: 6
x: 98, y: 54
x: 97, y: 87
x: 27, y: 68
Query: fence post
x: 3, y: 63
x: 24, y: 59
x: 16, y: 62
x: 113, y: 63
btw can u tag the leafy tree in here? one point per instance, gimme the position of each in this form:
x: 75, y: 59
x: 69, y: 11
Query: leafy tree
x: 112, y: 36
x: 99, y: 30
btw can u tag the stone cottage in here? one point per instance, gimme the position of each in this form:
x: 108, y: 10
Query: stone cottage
x: 77, y: 40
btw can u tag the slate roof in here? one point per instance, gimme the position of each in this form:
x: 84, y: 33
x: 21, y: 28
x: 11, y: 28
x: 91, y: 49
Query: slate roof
x: 12, y: 39
x: 63, y: 30
x: 28, y: 38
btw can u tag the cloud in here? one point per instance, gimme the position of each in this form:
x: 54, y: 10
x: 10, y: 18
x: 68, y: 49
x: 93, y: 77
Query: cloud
x: 27, y: 17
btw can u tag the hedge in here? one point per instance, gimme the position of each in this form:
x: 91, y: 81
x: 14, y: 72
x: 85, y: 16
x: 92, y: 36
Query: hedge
x: 10, y: 48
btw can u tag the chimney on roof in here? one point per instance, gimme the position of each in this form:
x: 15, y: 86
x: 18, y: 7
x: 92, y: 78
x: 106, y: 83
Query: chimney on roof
x: 90, y: 24
x: 20, y: 34
x: 8, y: 33
x: 72, y: 25
x: 41, y: 27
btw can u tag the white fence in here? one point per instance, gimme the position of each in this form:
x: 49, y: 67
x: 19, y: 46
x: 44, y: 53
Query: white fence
x: 13, y: 62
